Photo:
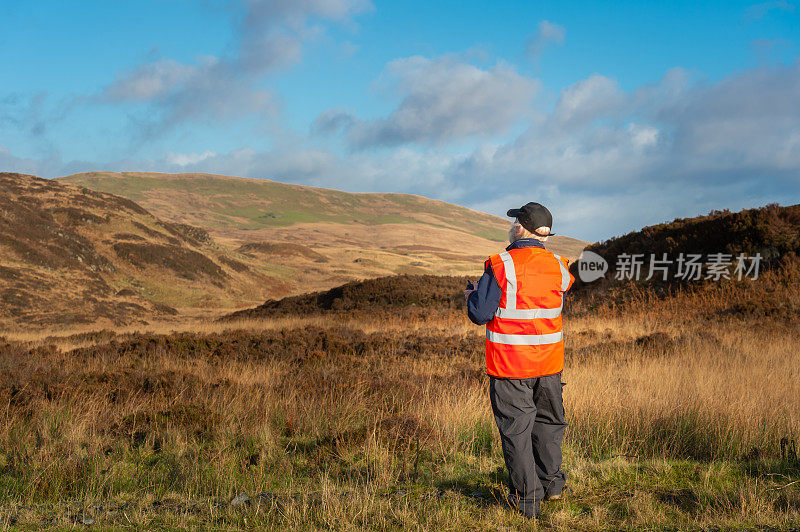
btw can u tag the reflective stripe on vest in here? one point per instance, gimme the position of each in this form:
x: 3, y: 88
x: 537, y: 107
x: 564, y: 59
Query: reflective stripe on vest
x: 511, y: 280
x: 564, y: 273
x: 528, y: 314
x: 523, y: 339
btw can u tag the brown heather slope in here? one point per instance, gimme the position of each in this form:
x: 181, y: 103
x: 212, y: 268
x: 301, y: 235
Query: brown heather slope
x: 316, y: 238
x: 771, y: 231
x: 392, y: 294
x: 72, y: 255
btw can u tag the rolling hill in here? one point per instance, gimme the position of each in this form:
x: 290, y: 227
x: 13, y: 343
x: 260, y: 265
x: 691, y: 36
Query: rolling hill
x: 771, y: 231
x: 71, y: 255
x: 315, y: 238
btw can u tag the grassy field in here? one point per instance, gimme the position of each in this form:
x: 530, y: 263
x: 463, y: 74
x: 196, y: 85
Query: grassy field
x: 681, y: 416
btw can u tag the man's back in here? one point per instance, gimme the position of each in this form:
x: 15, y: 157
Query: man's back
x: 524, y: 338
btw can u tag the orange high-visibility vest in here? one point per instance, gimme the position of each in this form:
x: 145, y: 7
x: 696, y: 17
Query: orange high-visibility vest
x: 524, y: 338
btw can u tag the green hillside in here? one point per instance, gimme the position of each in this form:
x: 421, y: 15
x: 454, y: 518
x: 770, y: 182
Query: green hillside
x: 223, y: 202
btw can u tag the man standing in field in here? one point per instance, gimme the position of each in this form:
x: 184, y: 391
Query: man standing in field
x: 519, y: 299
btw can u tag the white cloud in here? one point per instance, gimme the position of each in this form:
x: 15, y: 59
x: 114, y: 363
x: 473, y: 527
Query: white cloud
x: 333, y: 121
x: 271, y: 36
x: 589, y: 98
x: 547, y: 34
x: 186, y: 159
x: 443, y: 99
x: 152, y: 80
x: 11, y: 163
x: 295, y: 13
x: 643, y: 136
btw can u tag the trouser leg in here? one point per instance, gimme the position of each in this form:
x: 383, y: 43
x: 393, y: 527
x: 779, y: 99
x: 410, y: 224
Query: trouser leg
x: 548, y: 433
x: 515, y: 413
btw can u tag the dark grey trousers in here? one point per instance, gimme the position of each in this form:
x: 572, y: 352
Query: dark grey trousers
x: 530, y: 417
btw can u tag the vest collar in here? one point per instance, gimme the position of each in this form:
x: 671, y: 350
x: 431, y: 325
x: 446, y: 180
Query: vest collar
x: 526, y: 243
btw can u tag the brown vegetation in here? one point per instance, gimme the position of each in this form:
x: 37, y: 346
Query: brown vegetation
x: 279, y: 249
x: 385, y: 293
x: 234, y: 264
x: 188, y: 233
x: 128, y: 236
x: 68, y: 254
x: 771, y: 231
x: 676, y: 420
x: 185, y: 262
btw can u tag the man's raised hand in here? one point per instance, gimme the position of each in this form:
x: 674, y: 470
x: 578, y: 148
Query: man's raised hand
x: 472, y: 286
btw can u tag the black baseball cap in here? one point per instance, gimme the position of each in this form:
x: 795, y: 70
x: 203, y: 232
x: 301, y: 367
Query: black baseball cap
x: 532, y: 216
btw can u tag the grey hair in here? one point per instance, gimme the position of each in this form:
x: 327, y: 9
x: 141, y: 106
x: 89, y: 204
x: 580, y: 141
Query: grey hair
x: 517, y: 232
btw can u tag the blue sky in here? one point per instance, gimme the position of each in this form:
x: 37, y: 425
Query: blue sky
x: 615, y: 115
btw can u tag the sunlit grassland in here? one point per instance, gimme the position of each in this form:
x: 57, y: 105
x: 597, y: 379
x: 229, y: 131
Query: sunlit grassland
x: 382, y: 421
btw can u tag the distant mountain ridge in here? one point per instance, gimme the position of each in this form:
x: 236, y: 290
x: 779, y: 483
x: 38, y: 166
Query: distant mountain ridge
x: 220, y: 202
x: 317, y: 238
x: 72, y: 254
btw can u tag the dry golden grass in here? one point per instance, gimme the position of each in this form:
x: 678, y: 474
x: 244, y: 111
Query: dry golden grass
x: 382, y: 421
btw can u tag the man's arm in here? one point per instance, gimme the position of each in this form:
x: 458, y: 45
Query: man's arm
x: 483, y: 302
